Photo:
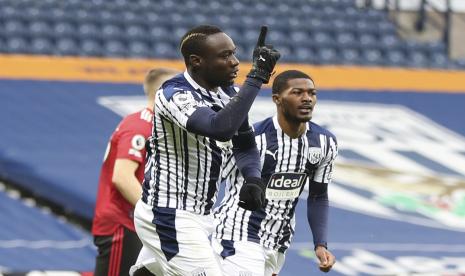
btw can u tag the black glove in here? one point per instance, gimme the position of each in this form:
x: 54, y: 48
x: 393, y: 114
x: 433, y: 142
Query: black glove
x: 264, y: 58
x: 252, y: 194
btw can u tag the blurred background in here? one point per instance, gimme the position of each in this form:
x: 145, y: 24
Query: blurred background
x: 391, y: 80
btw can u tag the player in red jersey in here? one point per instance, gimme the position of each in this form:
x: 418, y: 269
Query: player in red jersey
x: 120, y: 186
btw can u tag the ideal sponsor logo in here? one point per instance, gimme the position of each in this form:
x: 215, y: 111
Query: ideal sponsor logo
x: 284, y: 186
x: 286, y: 181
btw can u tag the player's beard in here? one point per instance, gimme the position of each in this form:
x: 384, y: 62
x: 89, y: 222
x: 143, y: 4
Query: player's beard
x: 294, y: 117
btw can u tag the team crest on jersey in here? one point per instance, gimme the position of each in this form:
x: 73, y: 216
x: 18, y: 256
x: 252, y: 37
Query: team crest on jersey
x: 314, y: 155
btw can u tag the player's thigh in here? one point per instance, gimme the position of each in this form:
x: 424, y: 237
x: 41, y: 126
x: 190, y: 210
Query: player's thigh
x: 102, y: 259
x: 146, y: 264
x: 130, y: 251
x: 274, y: 262
x: 240, y: 258
x: 195, y: 254
x: 178, y: 241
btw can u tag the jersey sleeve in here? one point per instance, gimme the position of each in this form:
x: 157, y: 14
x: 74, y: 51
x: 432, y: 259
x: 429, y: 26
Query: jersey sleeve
x: 177, y: 105
x: 131, y: 145
x: 323, y: 173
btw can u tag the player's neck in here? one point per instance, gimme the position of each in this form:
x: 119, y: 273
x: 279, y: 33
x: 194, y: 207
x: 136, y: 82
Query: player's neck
x: 150, y: 104
x: 200, y: 81
x: 292, y: 129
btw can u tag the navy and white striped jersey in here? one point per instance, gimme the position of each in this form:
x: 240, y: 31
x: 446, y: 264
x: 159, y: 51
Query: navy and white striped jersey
x: 184, y: 170
x: 287, y: 165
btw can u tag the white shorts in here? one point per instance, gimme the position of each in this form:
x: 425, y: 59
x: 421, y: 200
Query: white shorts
x: 175, y: 242
x: 244, y: 258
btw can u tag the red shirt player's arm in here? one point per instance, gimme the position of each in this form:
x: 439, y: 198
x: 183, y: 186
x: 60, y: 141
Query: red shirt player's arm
x: 130, y: 155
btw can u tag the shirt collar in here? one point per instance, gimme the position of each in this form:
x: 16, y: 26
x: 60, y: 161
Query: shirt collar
x: 277, y: 126
x: 197, y: 86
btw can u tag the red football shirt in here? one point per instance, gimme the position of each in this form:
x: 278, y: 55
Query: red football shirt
x: 128, y: 142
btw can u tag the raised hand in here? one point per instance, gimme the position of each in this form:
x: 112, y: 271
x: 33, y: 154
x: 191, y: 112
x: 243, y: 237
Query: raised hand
x: 264, y: 58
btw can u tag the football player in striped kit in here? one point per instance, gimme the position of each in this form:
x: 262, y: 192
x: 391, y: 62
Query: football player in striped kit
x: 293, y: 151
x: 200, y: 118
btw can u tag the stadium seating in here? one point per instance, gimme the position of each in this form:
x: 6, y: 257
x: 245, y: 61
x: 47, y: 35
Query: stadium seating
x: 53, y: 243
x: 306, y: 31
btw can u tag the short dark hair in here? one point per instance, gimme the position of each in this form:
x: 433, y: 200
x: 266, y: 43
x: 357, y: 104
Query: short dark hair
x: 280, y: 82
x: 191, y: 42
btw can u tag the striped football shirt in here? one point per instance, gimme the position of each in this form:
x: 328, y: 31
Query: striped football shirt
x: 287, y: 165
x: 184, y: 170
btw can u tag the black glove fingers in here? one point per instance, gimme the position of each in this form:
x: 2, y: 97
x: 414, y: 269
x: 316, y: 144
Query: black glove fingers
x: 262, y: 36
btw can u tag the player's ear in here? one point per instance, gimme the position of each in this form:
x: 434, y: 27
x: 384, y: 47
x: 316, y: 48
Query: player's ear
x: 195, y: 60
x: 276, y: 99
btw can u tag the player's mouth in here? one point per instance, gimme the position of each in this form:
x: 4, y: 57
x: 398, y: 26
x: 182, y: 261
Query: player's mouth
x: 233, y: 75
x: 305, y: 109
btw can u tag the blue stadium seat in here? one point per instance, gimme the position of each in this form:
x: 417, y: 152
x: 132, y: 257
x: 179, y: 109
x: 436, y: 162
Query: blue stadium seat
x: 326, y: 56
x: 350, y: 56
x: 14, y: 28
x: 90, y: 47
x: 365, y: 27
x: 139, y: 49
x: 58, y: 14
x: 114, y: 48
x: 299, y: 37
x: 386, y: 26
x: 276, y: 37
x: 39, y: 28
x: 155, y: 19
x: 131, y: 18
x: 234, y: 34
x: 159, y: 33
x: 304, y: 54
x: 389, y: 41
x: 367, y: 40
x: 286, y: 52
x: 372, y: 56
x: 89, y: 30
x: 35, y: 14
x: 41, y: 46
x: 66, y: 47
x: 345, y: 40
x: 460, y: 63
x: 177, y: 34
x: 321, y: 39
x: 112, y: 31
x: 435, y: 47
x: 2, y: 45
x: 17, y: 44
x: 198, y: 19
x: 106, y: 17
x: 341, y: 26
x: 80, y: 16
x: 136, y: 32
x: 438, y: 60
x: 417, y: 59
x: 314, y: 25
x: 164, y: 50
x: 396, y: 58
x: 64, y: 29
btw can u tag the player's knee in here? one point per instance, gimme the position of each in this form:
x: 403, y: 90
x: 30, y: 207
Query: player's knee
x: 143, y: 272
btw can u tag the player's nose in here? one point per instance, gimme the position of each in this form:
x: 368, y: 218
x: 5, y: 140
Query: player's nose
x: 234, y: 61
